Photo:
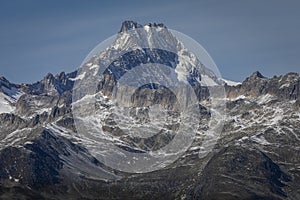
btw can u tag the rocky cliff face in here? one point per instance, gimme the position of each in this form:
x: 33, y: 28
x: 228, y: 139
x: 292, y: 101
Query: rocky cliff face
x: 256, y: 156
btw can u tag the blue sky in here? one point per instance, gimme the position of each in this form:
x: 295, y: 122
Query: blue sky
x: 37, y: 37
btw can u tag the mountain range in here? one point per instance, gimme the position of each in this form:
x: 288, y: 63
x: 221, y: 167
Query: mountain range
x: 43, y: 154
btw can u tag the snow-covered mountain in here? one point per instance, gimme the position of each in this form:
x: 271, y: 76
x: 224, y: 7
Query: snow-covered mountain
x: 43, y: 154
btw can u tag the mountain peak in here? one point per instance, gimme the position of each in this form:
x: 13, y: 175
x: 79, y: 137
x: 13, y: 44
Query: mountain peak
x: 129, y: 25
x: 49, y: 76
x: 256, y: 75
x: 4, y: 82
x: 3, y: 79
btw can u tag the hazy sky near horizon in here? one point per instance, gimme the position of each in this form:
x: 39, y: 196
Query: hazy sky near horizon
x: 37, y: 37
